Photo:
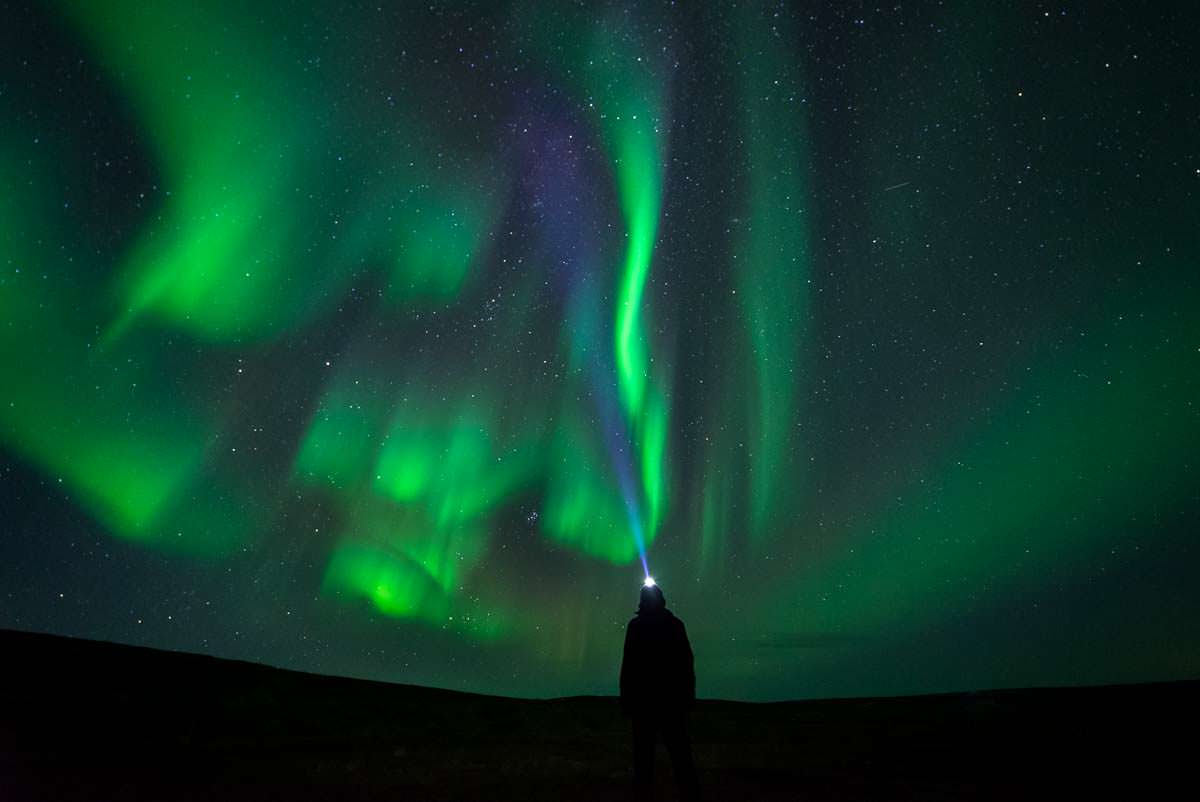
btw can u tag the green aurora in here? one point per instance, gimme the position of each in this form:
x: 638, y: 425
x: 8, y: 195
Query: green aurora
x: 388, y: 342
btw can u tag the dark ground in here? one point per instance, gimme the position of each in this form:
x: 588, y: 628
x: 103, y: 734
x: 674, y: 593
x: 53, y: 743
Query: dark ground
x: 86, y: 720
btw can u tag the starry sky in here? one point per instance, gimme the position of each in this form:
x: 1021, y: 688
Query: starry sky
x: 401, y: 340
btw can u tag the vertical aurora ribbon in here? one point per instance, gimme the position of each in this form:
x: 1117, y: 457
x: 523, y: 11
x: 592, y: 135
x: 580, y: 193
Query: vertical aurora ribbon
x: 627, y: 97
x: 771, y: 269
x: 620, y: 81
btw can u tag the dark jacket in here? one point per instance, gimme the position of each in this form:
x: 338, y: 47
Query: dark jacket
x: 657, y: 672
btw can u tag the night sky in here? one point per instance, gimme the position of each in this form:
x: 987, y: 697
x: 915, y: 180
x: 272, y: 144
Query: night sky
x: 390, y: 342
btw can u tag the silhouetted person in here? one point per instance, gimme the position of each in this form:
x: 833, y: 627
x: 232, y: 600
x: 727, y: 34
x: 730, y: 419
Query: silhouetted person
x: 658, y: 687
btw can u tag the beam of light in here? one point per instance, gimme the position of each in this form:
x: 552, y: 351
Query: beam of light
x: 618, y: 444
x: 559, y: 182
x: 635, y: 524
x: 581, y: 507
x: 624, y: 94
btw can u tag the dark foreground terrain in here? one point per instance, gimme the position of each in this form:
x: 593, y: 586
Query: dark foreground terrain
x: 86, y: 720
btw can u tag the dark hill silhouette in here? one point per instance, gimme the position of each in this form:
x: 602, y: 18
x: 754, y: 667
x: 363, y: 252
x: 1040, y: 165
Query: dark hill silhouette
x: 88, y: 720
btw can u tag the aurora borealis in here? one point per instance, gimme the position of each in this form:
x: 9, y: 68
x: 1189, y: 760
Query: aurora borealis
x: 379, y: 341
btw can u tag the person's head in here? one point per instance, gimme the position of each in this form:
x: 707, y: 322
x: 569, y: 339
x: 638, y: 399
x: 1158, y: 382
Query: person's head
x: 651, y: 600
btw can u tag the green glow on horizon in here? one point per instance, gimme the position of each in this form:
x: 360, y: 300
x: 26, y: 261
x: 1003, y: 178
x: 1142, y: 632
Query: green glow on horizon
x: 1099, y: 438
